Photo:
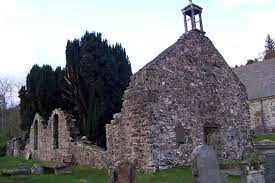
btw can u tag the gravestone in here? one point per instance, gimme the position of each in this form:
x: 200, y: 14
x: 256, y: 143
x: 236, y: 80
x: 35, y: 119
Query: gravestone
x: 16, y: 146
x: 267, y: 150
x: 83, y: 181
x: 23, y: 166
x: 205, y: 165
x: 37, y: 169
x: 13, y: 147
x: 252, y: 172
x: 122, y: 173
x: 9, y: 148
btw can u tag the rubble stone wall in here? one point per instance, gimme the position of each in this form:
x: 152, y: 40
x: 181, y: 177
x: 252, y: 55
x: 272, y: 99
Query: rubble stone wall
x: 190, y: 85
x: 83, y: 154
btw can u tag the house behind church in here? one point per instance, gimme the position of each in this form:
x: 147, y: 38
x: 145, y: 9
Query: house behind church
x: 259, y: 80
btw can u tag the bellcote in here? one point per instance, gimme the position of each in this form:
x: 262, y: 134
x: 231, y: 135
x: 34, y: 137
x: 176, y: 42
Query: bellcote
x: 192, y: 17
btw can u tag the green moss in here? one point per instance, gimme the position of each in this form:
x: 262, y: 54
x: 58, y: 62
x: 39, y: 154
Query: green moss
x: 260, y: 137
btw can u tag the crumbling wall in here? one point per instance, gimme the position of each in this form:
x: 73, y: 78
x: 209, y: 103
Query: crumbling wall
x: 13, y: 147
x: 128, y: 135
x: 89, y: 155
x: 45, y: 140
x: 68, y: 143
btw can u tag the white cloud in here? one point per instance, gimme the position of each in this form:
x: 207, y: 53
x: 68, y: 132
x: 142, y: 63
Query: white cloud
x: 10, y: 8
x: 245, y: 2
x: 15, y: 43
x: 248, y: 42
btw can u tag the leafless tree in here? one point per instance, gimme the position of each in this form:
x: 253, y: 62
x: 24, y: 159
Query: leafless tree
x: 9, y: 114
x: 8, y: 91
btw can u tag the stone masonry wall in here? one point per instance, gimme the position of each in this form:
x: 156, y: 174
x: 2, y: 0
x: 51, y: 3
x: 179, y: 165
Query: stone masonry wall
x: 196, y: 89
x: 68, y: 143
x: 188, y: 85
x: 262, y: 114
x: 128, y: 135
x: 89, y: 155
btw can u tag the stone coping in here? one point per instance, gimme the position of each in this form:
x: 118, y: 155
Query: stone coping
x: 265, y: 145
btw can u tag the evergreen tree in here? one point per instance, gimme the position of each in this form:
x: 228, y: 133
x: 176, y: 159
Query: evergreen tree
x: 269, y: 47
x: 41, y: 94
x: 26, y: 110
x: 91, y: 86
x: 269, y: 43
x: 97, y: 75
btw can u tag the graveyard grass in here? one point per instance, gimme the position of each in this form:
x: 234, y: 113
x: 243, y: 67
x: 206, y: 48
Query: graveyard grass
x: 173, y: 175
x: 259, y: 137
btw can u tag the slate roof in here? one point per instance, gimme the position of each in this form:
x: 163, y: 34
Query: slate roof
x: 258, y: 78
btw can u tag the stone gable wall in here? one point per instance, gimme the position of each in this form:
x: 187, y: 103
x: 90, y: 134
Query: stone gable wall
x: 197, y: 89
x: 262, y: 115
x: 83, y: 154
x: 188, y: 84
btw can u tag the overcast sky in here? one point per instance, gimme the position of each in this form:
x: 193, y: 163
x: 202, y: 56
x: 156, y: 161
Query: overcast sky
x: 36, y: 31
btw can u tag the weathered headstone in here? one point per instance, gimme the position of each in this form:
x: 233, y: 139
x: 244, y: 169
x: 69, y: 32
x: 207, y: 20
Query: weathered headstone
x: 252, y: 173
x: 56, y: 168
x: 23, y: 166
x: 37, y: 169
x: 9, y: 148
x: 267, y: 150
x: 83, y: 181
x: 205, y: 165
x: 13, y: 172
x: 16, y: 146
x: 13, y: 147
x: 123, y: 173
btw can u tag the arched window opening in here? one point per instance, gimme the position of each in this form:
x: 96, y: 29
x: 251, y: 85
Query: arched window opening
x: 55, y: 132
x: 35, y: 145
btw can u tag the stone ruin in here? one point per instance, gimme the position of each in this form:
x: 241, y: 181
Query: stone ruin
x: 58, y: 140
x: 13, y: 147
x: 187, y: 96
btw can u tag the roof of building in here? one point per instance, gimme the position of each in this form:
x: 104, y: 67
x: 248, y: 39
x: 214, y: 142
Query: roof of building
x: 258, y: 78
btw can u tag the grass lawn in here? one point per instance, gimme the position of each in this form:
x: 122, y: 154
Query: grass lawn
x: 232, y: 164
x: 259, y: 137
x: 173, y: 175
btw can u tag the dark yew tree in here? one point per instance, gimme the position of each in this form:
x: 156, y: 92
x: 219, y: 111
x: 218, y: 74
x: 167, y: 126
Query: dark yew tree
x: 97, y: 75
x: 26, y: 110
x: 41, y: 94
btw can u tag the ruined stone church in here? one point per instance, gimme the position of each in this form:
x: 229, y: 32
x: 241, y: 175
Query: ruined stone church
x: 185, y: 97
